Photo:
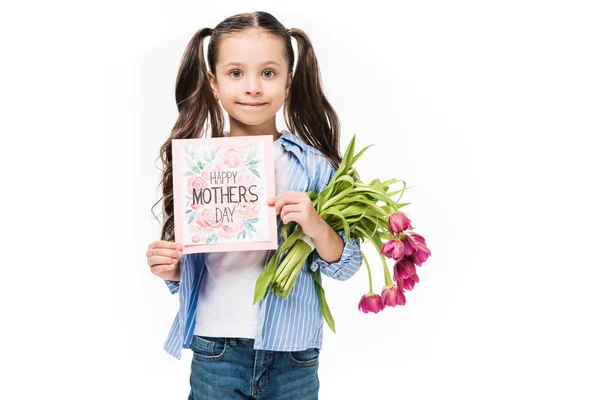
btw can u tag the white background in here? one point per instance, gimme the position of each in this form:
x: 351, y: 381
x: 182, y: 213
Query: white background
x: 489, y: 110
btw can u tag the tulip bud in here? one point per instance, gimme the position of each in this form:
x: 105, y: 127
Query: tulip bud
x: 393, y: 249
x: 398, y: 222
x: 370, y: 302
x: 393, y: 296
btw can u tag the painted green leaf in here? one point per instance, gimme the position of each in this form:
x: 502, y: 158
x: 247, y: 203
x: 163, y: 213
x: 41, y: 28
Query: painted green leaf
x: 255, y: 172
x: 249, y: 226
x: 253, y: 153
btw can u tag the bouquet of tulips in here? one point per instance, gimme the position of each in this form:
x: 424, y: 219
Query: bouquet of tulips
x: 366, y: 211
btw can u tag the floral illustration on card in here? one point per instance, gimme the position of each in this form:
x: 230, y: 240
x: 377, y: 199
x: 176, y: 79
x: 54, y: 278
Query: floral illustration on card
x: 222, y: 188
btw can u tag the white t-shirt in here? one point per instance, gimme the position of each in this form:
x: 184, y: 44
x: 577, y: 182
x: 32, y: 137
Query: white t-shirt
x: 226, y: 293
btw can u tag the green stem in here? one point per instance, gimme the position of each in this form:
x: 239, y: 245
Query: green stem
x: 386, y: 272
x: 369, y: 272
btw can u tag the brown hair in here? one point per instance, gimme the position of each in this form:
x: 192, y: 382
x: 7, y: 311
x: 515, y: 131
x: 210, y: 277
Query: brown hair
x: 307, y: 112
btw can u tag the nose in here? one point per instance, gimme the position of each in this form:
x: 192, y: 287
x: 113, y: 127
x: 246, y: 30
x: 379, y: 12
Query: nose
x: 253, y: 86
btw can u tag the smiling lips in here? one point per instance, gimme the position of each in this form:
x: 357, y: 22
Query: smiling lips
x: 253, y: 105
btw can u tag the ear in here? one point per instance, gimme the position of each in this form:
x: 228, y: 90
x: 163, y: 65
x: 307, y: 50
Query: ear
x: 213, y: 84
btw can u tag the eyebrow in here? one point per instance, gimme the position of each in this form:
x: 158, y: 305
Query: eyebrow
x: 239, y: 64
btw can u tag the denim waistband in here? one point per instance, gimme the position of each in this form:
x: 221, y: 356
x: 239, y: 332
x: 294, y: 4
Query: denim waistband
x: 233, y: 342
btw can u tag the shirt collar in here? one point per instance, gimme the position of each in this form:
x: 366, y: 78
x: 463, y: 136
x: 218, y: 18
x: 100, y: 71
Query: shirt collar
x: 287, y: 139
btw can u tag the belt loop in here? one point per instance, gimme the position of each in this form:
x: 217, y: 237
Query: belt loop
x: 231, y: 342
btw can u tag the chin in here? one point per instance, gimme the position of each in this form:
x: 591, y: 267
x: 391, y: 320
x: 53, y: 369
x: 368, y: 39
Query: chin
x: 249, y: 121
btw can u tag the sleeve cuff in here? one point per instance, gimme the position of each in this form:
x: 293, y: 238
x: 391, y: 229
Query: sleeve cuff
x: 173, y: 286
x: 349, y: 262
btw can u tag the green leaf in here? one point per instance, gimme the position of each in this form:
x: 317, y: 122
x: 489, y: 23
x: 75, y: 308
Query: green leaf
x: 253, y: 162
x: 264, y: 279
x: 190, y: 219
x: 342, y: 219
x: 255, y: 172
x: 356, y: 157
x: 324, y: 306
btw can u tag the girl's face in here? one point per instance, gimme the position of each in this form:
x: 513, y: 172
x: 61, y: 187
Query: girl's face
x: 251, y: 79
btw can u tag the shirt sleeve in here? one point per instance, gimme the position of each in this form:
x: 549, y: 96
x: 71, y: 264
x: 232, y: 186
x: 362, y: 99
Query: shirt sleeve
x: 348, y: 264
x: 173, y: 286
x: 351, y: 259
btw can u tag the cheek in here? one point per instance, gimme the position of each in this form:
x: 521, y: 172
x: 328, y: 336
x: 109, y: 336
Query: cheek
x: 276, y: 92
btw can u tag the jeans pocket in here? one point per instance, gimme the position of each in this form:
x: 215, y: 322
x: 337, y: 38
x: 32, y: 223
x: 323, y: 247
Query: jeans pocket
x: 209, y: 349
x: 304, y: 358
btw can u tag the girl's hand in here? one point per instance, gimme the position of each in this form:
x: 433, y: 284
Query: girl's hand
x: 163, y: 259
x: 297, y: 207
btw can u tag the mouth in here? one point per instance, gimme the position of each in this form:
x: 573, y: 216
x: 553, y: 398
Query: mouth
x: 252, y: 105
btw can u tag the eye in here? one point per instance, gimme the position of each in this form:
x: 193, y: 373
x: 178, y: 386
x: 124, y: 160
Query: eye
x: 236, y: 73
x: 272, y: 73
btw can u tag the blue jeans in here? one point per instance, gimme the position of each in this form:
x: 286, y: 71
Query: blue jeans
x: 228, y: 368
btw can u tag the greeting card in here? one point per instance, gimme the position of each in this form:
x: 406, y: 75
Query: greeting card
x: 220, y: 191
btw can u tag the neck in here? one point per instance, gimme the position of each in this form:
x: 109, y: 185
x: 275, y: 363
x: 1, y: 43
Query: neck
x: 267, y: 128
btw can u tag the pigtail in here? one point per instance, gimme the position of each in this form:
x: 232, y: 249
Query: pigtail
x: 199, y: 112
x: 307, y: 111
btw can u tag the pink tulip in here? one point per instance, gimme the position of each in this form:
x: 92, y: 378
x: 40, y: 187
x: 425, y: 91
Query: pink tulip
x: 393, y: 296
x: 370, y: 302
x: 409, y: 244
x: 403, y: 269
x: 409, y: 283
x: 398, y: 222
x: 393, y: 249
x: 417, y: 238
x: 421, y: 254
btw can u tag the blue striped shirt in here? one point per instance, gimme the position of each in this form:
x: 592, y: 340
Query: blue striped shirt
x: 291, y: 324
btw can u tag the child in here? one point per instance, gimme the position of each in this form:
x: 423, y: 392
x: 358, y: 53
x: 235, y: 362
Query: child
x: 269, y: 350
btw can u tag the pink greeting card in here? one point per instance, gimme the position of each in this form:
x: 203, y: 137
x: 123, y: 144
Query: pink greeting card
x: 220, y: 191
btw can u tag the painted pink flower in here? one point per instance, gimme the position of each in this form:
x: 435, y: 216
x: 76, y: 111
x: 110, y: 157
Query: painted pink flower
x: 393, y: 296
x: 245, y: 210
x: 393, y: 249
x: 198, y: 182
x: 231, y: 158
x: 403, y: 269
x: 398, y: 222
x: 229, y: 230
x: 370, y: 302
x: 206, y: 221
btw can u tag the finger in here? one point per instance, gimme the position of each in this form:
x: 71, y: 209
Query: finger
x: 288, y: 208
x: 164, y: 244
x: 158, y: 260
x: 162, y: 268
x: 292, y: 216
x: 284, y: 199
x: 164, y: 252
